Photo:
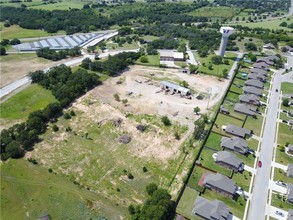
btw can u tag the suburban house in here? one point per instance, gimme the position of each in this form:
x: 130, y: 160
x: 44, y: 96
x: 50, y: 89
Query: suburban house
x: 289, y: 170
x: 224, y: 110
x: 250, y: 99
x: 237, y: 131
x: 229, y: 160
x: 289, y: 193
x: 290, y: 214
x: 255, y: 83
x: 235, y: 144
x: 259, y: 71
x: 270, y: 60
x: 290, y: 149
x: 268, y: 46
x: 215, y: 210
x: 220, y: 183
x: 252, y: 90
x: 175, y: 88
x: 257, y: 76
x: 261, y: 65
x: 171, y: 55
x: 246, y: 109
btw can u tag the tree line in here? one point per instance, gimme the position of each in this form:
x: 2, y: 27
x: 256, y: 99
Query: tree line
x: 66, y: 86
x: 54, y: 55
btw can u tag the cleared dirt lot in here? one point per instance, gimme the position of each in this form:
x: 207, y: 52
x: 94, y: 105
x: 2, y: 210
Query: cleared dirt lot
x: 147, y: 97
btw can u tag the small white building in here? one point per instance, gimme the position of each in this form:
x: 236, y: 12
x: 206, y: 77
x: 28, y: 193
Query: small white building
x: 171, y: 55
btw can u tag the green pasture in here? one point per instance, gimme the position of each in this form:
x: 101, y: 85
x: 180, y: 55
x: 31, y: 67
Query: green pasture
x: 64, y: 5
x: 153, y: 60
x: 215, y: 12
x: 28, y: 100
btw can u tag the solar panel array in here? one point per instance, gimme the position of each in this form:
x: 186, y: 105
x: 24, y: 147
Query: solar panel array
x: 58, y: 43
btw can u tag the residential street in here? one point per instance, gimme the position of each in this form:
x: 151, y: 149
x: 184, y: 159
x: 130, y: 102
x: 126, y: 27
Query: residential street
x: 261, y: 184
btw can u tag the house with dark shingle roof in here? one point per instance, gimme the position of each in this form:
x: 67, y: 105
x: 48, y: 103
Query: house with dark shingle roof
x: 207, y: 209
x: 235, y: 144
x: 273, y: 58
x: 259, y: 71
x: 246, y: 109
x: 224, y: 110
x: 290, y: 149
x: 290, y: 214
x: 229, y: 160
x: 250, y: 99
x: 289, y: 193
x: 289, y: 170
x: 220, y: 183
x: 255, y: 83
x: 252, y: 90
x: 237, y: 131
x: 261, y: 65
x: 257, y: 77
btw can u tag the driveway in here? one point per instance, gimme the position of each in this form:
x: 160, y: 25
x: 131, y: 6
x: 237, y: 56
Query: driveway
x: 272, y: 212
x: 278, y: 165
x: 280, y: 189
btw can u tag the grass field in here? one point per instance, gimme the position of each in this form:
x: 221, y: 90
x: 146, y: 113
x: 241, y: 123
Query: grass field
x: 28, y: 191
x: 215, y: 12
x: 259, y: 43
x: 114, y: 46
x: 271, y: 24
x: 91, y: 155
x: 15, y: 31
x: 23, y: 103
x: 283, y: 158
x: 254, y: 124
x: 287, y: 88
x: 280, y: 202
x: 64, y: 5
x: 285, y: 134
x: 217, y: 69
x: 154, y: 60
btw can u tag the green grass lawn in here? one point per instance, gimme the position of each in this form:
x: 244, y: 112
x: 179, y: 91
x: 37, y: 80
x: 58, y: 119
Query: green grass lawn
x: 15, y: 31
x: 214, y: 141
x: 241, y: 44
x: 225, y: 120
x: 126, y: 46
x: 280, y: 174
x: 285, y: 134
x: 208, y: 161
x: 236, y: 207
x: 64, y: 5
x: 280, y: 202
x: 254, y: 124
x: 153, y: 60
x: 248, y: 160
x: 252, y: 143
x: 283, y: 158
x: 284, y: 116
x: 217, y: 69
x: 233, y: 97
x: 287, y: 88
x: 28, y: 191
x: 186, y: 204
x: 242, y: 179
x: 236, y: 89
x: 195, y: 177
x: 230, y: 106
x: 23, y: 103
x: 215, y: 12
x: 272, y: 24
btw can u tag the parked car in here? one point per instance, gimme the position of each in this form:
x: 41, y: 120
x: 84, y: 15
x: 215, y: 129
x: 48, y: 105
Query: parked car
x: 279, y: 213
x: 277, y: 90
x: 281, y: 183
x: 259, y: 163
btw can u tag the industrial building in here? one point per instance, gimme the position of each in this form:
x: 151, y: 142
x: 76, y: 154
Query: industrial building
x: 175, y: 88
x: 59, y: 43
x: 171, y: 55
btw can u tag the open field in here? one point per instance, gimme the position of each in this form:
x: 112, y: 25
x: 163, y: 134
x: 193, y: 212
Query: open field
x: 215, y: 12
x: 64, y: 5
x: 23, y: 103
x: 217, y: 69
x: 114, y: 46
x: 29, y: 191
x: 16, y: 66
x: 259, y: 43
x: 16, y: 31
x: 153, y: 60
x: 287, y: 88
x: 86, y: 151
x: 271, y: 24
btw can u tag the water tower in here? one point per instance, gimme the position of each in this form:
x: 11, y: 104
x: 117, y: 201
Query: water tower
x: 226, y: 32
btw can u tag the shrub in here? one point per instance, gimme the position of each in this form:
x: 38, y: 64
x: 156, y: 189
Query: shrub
x: 151, y: 188
x: 144, y: 169
x: 67, y: 116
x: 72, y: 113
x: 55, y: 128
x: 177, y: 136
x: 144, y: 59
x: 116, y: 97
x: 285, y: 102
x: 130, y: 176
x: 166, y: 121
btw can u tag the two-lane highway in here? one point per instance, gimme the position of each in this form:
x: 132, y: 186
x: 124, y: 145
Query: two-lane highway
x: 261, y: 184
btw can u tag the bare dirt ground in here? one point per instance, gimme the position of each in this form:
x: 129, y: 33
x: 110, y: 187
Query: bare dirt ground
x: 147, y: 97
x: 16, y: 66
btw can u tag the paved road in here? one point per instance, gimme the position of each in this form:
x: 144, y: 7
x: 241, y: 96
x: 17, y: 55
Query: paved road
x: 261, y: 184
x: 19, y: 83
x: 240, y: 55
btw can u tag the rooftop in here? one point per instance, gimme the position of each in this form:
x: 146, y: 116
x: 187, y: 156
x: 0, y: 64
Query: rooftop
x: 220, y: 181
x: 229, y: 158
